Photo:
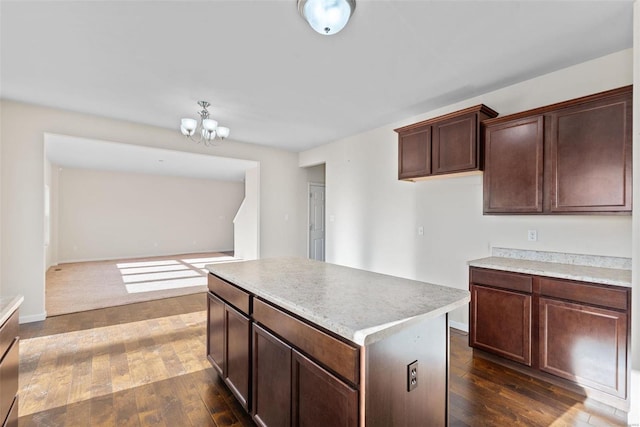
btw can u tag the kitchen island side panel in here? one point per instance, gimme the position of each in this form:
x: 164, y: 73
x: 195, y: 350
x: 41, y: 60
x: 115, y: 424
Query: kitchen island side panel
x: 387, y: 399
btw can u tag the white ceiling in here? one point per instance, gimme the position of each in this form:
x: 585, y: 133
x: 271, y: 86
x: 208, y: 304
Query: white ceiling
x: 72, y: 152
x: 274, y: 81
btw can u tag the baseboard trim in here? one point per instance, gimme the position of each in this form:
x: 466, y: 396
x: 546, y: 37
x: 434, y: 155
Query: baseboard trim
x: 69, y: 261
x: 33, y: 318
x: 464, y: 327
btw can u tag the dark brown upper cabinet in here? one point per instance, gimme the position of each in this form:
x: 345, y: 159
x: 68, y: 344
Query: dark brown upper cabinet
x: 442, y: 145
x: 414, y: 153
x: 513, y: 166
x: 567, y: 158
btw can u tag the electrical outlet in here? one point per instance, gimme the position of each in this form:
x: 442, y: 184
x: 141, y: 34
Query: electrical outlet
x: 420, y: 231
x: 412, y: 375
x: 532, y: 235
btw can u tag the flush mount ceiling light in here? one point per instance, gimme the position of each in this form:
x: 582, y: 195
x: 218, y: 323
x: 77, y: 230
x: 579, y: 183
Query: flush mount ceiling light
x: 327, y: 16
x: 209, y: 128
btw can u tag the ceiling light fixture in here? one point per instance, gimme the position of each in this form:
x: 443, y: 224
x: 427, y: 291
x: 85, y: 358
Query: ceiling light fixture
x: 209, y: 128
x: 327, y: 16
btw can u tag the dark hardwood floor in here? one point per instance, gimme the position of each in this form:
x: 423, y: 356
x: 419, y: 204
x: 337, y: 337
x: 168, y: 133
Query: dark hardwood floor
x: 144, y: 365
x: 483, y: 393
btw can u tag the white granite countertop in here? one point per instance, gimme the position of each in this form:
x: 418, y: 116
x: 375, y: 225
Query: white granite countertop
x: 8, y: 305
x: 359, y: 305
x: 586, y: 268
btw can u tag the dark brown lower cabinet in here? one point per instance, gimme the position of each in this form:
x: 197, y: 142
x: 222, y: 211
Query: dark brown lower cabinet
x: 565, y: 331
x: 502, y: 322
x: 229, y: 346
x: 216, y: 331
x: 271, y: 380
x: 238, y: 354
x: 12, y: 418
x: 9, y: 377
x: 290, y: 389
x: 9, y: 371
x: 584, y: 344
x: 320, y: 399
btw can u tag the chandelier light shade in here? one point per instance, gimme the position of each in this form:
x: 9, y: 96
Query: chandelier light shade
x: 209, y: 128
x: 327, y: 16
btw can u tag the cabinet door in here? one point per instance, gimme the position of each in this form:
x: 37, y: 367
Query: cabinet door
x: 414, y: 153
x: 238, y: 354
x: 455, y: 145
x: 584, y: 344
x: 12, y: 418
x: 590, y: 155
x: 319, y: 398
x: 216, y: 328
x: 501, y: 323
x: 8, y: 333
x: 271, y: 380
x: 513, y: 169
x: 9, y: 379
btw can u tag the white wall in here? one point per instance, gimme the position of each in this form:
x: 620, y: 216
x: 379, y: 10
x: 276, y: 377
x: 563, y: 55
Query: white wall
x: 370, y: 214
x: 109, y: 215
x: 22, y: 188
x: 247, y: 220
x: 376, y: 216
x: 316, y: 174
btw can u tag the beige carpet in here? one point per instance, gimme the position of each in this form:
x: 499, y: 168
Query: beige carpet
x: 85, y: 286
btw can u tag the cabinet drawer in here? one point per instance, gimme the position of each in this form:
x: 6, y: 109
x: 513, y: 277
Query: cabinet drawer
x: 616, y: 298
x: 331, y: 352
x: 502, y: 279
x: 9, y: 379
x: 8, y: 332
x: 234, y: 296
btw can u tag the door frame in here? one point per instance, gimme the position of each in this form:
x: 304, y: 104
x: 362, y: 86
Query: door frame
x: 319, y: 184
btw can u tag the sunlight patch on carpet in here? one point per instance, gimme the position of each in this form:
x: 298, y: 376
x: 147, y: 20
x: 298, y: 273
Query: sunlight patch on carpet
x: 153, y: 269
x: 165, y: 275
x: 161, y: 285
x: 147, y: 263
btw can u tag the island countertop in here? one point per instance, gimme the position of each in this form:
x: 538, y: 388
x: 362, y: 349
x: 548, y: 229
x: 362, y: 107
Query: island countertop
x: 8, y: 305
x: 361, y: 306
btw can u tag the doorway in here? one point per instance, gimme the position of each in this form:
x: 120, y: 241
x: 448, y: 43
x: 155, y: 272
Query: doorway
x: 316, y: 221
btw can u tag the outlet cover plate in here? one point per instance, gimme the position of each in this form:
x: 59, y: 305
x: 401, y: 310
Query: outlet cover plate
x: 412, y: 376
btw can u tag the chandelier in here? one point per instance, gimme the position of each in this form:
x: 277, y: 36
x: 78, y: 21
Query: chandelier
x: 327, y: 16
x: 207, y: 129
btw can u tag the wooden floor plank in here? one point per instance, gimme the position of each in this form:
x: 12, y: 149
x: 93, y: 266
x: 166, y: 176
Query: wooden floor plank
x: 116, y: 367
x: 125, y: 409
x: 102, y: 414
x: 509, y: 397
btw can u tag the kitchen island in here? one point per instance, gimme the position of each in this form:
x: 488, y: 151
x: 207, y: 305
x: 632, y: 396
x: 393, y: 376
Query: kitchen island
x: 306, y: 342
x: 9, y: 359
